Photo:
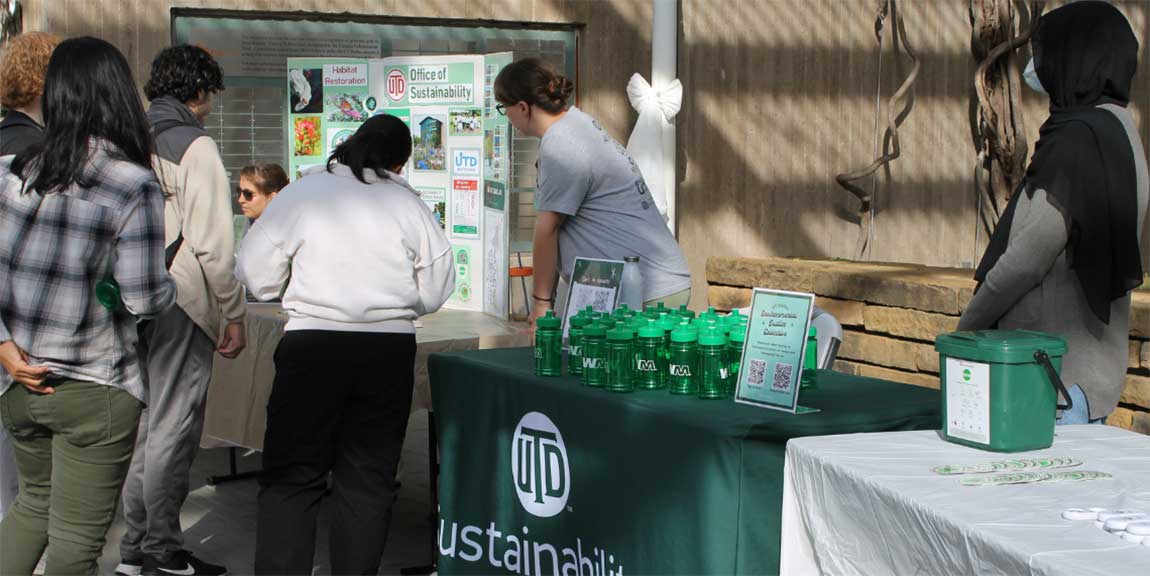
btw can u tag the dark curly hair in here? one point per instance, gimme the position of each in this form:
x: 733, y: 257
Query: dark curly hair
x: 182, y: 72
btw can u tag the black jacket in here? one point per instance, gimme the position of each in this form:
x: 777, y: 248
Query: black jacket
x: 17, y: 132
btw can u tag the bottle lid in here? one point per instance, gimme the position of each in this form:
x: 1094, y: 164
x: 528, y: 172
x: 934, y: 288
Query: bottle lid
x: 650, y: 329
x: 712, y: 337
x: 651, y: 312
x: 620, y: 335
x: 595, y: 330
x: 548, y: 321
x: 684, y: 334
x: 579, y: 321
x: 813, y: 332
x: 631, y: 259
x: 684, y: 312
x: 738, y: 334
x: 621, y: 310
x: 666, y: 322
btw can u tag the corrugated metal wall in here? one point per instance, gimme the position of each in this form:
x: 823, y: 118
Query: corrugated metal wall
x: 779, y: 97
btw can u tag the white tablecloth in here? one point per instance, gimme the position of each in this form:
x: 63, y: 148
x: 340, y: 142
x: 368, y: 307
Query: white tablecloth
x: 238, y: 394
x: 869, y: 504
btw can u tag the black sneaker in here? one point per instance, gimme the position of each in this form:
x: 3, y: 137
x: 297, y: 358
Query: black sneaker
x: 182, y: 563
x: 130, y: 567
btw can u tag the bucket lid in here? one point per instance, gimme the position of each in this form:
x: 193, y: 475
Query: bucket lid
x: 1002, y: 346
x: 548, y: 321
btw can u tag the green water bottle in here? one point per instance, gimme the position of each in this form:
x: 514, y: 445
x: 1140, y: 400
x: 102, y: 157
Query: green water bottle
x: 650, y: 361
x: 622, y: 311
x: 666, y: 323
x: 621, y: 360
x: 735, y: 341
x: 594, y: 355
x: 575, y: 343
x: 684, y: 361
x: 548, y: 346
x: 108, y: 294
x: 685, y: 313
x: 712, y: 363
x: 809, y: 379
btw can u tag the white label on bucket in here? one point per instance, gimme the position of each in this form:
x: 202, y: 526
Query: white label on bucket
x: 968, y: 400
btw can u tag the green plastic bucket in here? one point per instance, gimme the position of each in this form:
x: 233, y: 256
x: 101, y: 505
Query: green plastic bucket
x: 1000, y: 388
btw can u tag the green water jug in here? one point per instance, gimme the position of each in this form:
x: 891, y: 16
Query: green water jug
x: 621, y: 360
x: 1000, y: 388
x: 684, y: 361
x: 575, y: 343
x: 713, y: 370
x: 650, y: 361
x: 594, y: 355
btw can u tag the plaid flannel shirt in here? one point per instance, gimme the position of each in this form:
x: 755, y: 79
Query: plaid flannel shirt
x: 55, y: 248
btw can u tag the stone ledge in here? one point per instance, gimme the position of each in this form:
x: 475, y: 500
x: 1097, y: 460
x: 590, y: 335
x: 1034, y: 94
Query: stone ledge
x: 901, y: 376
x: 888, y: 352
x: 1121, y: 418
x: 726, y: 298
x: 907, y: 323
x: 1137, y: 391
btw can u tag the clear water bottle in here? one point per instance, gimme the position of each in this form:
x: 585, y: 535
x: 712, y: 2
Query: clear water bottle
x: 631, y: 292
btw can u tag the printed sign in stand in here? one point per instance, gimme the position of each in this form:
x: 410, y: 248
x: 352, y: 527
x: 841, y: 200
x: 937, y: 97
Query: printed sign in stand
x: 594, y: 283
x: 772, y: 362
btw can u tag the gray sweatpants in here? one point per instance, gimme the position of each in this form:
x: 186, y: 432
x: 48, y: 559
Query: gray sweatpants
x: 178, y: 360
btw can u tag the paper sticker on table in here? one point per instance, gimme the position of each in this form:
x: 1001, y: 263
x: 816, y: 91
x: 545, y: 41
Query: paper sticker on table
x: 465, y: 208
x: 772, y: 361
x: 461, y: 255
x: 968, y: 400
x: 436, y: 199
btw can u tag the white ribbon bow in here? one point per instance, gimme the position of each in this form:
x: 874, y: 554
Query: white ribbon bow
x: 657, y: 109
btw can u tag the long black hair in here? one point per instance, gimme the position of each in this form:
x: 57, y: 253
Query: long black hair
x: 381, y: 143
x: 88, y: 93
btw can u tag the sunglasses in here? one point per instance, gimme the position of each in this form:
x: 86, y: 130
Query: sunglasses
x: 245, y: 193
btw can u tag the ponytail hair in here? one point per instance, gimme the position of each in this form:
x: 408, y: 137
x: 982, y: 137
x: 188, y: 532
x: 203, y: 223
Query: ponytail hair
x: 381, y: 143
x: 535, y: 82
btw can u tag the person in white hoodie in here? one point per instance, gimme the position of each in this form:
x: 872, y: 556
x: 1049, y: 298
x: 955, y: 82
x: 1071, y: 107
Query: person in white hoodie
x: 365, y: 258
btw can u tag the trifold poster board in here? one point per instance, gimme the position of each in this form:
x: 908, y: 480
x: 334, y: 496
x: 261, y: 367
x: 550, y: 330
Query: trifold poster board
x: 772, y: 363
x: 460, y: 159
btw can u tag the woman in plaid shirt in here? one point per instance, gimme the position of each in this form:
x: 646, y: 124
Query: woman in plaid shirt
x: 80, y: 210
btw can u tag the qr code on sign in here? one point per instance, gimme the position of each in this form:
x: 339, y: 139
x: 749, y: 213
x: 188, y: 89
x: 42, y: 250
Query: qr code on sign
x: 755, y: 373
x: 782, y: 377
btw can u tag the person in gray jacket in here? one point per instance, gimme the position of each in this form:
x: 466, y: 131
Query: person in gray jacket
x: 179, y: 346
x: 1066, y: 252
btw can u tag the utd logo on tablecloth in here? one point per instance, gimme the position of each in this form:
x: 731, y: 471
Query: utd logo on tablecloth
x: 539, y: 465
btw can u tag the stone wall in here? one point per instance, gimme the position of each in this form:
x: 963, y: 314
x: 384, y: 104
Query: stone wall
x: 891, y: 314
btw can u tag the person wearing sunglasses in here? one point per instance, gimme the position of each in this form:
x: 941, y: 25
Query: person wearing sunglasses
x: 259, y: 183
x: 591, y: 200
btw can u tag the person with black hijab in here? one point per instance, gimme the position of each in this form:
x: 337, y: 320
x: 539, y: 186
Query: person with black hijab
x: 1066, y: 255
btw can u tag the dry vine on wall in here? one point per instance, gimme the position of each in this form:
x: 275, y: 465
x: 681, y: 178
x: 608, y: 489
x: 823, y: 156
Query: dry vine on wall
x: 999, y: 28
x: 903, y: 101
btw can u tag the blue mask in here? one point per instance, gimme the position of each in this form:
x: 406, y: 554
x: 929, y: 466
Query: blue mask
x: 1031, y: 77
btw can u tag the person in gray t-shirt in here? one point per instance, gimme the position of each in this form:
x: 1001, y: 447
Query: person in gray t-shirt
x: 591, y: 200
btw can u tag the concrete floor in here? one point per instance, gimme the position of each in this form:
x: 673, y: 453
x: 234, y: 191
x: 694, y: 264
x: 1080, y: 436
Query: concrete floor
x: 220, y: 521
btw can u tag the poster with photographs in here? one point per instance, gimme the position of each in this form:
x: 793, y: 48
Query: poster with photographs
x: 308, y: 140
x: 428, y: 151
x: 436, y: 199
x: 306, y: 88
x: 466, y: 121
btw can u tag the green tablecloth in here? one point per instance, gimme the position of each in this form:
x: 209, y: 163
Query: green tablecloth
x: 638, y: 483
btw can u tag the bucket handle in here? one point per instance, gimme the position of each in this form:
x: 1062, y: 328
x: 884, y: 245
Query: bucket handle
x: 1042, y: 358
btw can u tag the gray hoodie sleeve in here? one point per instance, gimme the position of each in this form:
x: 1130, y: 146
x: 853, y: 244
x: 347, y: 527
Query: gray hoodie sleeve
x: 1037, y: 236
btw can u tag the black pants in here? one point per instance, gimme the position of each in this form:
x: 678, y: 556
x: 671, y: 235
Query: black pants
x: 340, y: 404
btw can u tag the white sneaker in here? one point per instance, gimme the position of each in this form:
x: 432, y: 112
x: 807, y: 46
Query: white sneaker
x: 126, y: 568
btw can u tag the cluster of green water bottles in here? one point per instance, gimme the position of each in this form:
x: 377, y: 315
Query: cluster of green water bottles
x: 653, y: 349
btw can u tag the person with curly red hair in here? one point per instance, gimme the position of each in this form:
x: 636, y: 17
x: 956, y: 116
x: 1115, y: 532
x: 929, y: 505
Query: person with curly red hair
x: 22, y: 68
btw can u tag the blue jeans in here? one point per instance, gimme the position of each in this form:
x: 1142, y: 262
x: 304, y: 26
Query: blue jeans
x: 1080, y: 412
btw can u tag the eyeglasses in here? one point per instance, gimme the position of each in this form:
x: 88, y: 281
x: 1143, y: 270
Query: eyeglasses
x: 501, y: 109
x: 245, y: 193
